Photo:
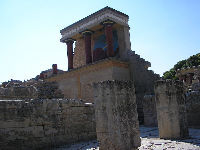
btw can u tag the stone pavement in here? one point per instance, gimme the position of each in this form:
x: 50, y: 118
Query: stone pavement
x: 150, y: 141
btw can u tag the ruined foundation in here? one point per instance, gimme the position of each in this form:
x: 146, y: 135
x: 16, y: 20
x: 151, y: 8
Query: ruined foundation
x: 40, y: 124
x: 116, y: 115
x: 171, y: 109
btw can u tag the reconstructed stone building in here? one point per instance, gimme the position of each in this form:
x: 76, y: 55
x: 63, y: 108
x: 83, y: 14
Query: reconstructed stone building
x: 189, y: 75
x: 102, y: 69
x: 102, y: 52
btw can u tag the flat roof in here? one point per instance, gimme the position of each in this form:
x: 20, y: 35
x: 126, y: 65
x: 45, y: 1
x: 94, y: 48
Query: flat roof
x: 98, y: 12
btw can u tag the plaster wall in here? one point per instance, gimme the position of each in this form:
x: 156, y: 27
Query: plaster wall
x: 78, y: 82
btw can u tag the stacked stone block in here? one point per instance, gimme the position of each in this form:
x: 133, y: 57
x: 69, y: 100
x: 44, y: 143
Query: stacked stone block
x: 171, y: 109
x: 149, y: 110
x: 193, y: 108
x: 142, y: 78
x: 40, y: 124
x: 116, y: 116
x: 38, y: 90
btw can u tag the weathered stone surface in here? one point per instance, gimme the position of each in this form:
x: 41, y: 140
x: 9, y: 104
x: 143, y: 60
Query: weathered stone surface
x: 149, y: 109
x: 171, y: 109
x: 196, y: 87
x: 193, y: 108
x: 142, y: 78
x: 44, y: 123
x: 77, y: 83
x: 116, y: 116
x: 39, y: 90
x: 22, y: 92
x: 48, y: 90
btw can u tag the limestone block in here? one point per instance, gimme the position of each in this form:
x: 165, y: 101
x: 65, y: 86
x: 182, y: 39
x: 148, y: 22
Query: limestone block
x: 171, y: 109
x: 44, y: 123
x: 116, y: 115
x: 193, y: 111
x: 149, y: 109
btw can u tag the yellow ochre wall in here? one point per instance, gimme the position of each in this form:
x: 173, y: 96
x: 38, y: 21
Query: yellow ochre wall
x: 77, y: 83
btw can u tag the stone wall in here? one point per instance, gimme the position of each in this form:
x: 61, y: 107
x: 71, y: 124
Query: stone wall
x: 193, y: 108
x: 116, y: 116
x: 142, y: 78
x: 77, y: 83
x: 171, y: 109
x: 18, y: 92
x: 39, y: 90
x: 149, y: 110
x: 79, y: 53
x: 79, y: 59
x: 44, y: 123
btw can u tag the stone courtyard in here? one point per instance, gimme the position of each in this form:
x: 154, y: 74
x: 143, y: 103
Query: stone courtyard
x: 149, y: 141
x: 108, y: 99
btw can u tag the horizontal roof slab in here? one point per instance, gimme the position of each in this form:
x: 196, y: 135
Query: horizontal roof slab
x: 93, y: 20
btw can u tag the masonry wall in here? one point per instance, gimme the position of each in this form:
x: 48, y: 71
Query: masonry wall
x: 123, y: 41
x: 44, y: 123
x: 193, y: 109
x: 79, y: 53
x: 38, y: 90
x: 142, y: 78
x: 21, y: 92
x: 149, y: 110
x: 79, y: 59
x: 78, y: 83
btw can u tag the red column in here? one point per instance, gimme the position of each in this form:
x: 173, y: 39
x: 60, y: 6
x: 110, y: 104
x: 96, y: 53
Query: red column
x: 87, y: 38
x: 70, y: 53
x: 190, y: 78
x: 181, y: 78
x: 41, y: 76
x: 109, y: 38
x: 55, y: 70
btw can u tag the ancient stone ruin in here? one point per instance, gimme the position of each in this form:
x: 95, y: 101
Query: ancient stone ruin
x: 117, y: 125
x: 171, y: 109
x: 149, y: 110
x: 105, y: 94
x: 44, y: 123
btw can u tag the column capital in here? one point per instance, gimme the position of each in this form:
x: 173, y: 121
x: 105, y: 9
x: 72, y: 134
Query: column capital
x: 107, y: 22
x: 87, y: 32
x: 69, y: 40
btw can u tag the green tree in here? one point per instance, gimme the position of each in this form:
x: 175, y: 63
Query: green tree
x: 190, y: 62
x: 170, y: 74
x: 180, y: 64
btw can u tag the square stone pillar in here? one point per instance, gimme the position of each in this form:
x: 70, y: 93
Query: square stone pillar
x: 116, y: 115
x: 171, y: 109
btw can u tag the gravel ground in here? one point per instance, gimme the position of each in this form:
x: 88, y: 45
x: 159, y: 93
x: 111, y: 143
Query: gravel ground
x: 149, y: 141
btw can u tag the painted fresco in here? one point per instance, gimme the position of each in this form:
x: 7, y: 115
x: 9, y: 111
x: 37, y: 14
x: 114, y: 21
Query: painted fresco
x: 100, y: 42
x: 100, y: 47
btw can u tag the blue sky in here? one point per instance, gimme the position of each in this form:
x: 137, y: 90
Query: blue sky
x: 162, y: 31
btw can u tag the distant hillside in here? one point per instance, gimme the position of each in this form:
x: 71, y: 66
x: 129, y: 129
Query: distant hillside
x: 191, y: 61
